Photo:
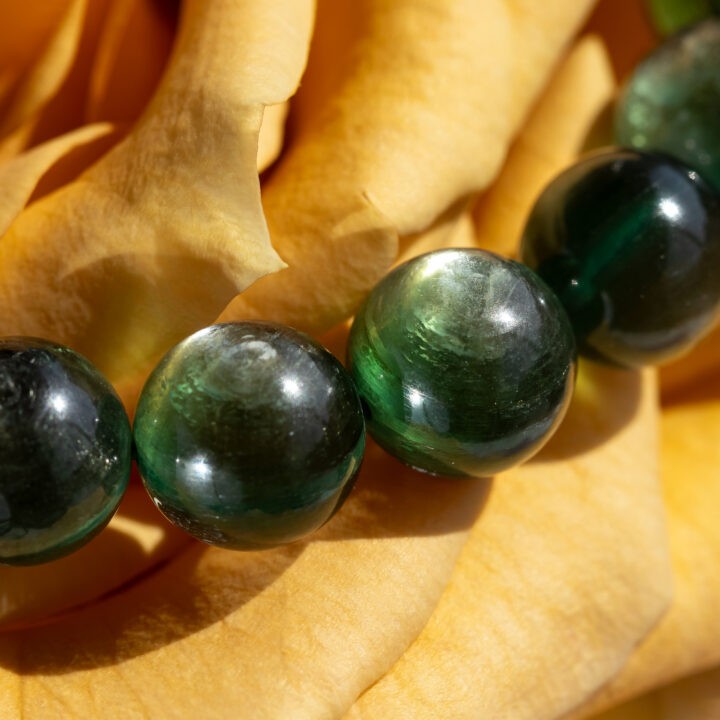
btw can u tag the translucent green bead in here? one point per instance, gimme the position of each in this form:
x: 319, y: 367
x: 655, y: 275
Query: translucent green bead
x: 249, y: 435
x: 630, y: 243
x: 669, y: 16
x: 65, y: 451
x: 672, y: 100
x: 464, y: 361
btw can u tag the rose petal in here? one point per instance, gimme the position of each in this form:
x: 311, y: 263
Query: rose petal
x: 153, y: 240
x: 26, y: 28
x: 561, y: 577
x: 694, y: 698
x: 272, y: 134
x: 410, y: 119
x: 136, y: 540
x: 296, y: 632
x: 688, y: 376
x: 20, y: 176
x: 455, y: 229
x: 688, y: 638
x: 133, y: 49
x: 553, y: 136
x: 43, y: 82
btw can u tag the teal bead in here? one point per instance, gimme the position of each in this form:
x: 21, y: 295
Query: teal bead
x: 669, y: 16
x: 672, y: 100
x: 630, y: 242
x: 465, y: 362
x: 249, y: 435
x: 65, y: 451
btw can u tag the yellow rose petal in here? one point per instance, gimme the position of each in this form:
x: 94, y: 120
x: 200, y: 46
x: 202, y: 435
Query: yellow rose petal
x: 151, y: 242
x: 26, y: 28
x: 296, y: 632
x: 694, y: 698
x: 688, y: 638
x: 136, y: 540
x: 689, y: 375
x: 455, y: 229
x: 133, y: 48
x: 647, y: 707
x: 414, y: 115
x: 272, y: 134
x: 565, y: 571
x: 42, y: 82
x: 550, y: 140
x: 19, y: 177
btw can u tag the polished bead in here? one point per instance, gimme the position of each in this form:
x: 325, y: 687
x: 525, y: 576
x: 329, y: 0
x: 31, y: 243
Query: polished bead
x: 465, y: 362
x: 671, y: 101
x: 65, y: 451
x: 249, y: 435
x: 630, y: 242
x: 669, y: 16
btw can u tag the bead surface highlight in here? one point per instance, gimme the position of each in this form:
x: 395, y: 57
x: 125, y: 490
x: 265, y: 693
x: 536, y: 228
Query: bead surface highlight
x: 65, y: 451
x: 630, y: 242
x: 249, y: 435
x: 465, y: 362
x: 672, y: 100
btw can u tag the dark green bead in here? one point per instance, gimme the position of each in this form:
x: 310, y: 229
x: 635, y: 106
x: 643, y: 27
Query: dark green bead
x: 65, y: 451
x: 465, y: 362
x: 669, y: 16
x: 671, y: 103
x: 249, y: 435
x: 630, y: 242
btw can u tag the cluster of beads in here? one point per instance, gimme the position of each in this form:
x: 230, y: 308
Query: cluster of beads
x: 462, y: 363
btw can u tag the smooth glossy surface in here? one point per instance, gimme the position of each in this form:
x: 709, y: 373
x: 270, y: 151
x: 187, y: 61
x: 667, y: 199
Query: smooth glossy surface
x: 672, y: 100
x: 249, y: 435
x: 465, y: 362
x: 631, y: 244
x: 65, y: 451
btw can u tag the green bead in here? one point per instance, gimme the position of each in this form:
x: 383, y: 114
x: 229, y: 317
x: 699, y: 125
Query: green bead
x: 669, y: 16
x: 672, y: 100
x: 249, y: 435
x: 65, y: 451
x: 465, y: 362
x: 630, y: 242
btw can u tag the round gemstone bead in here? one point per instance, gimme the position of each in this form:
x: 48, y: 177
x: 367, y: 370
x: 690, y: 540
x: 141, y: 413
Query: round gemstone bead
x: 249, y: 435
x: 671, y: 101
x: 630, y: 242
x: 65, y: 451
x: 465, y: 362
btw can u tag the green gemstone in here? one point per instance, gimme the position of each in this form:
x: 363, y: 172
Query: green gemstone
x: 65, y: 451
x: 672, y: 100
x: 465, y: 362
x: 630, y: 242
x: 669, y: 16
x: 249, y: 435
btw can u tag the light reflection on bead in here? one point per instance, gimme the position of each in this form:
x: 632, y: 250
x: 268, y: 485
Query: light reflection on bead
x: 65, y: 451
x: 630, y: 242
x: 464, y: 361
x: 249, y: 435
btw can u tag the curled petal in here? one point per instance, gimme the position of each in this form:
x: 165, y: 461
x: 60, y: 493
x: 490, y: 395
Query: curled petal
x: 20, y: 176
x: 403, y: 116
x: 151, y: 242
x: 42, y: 82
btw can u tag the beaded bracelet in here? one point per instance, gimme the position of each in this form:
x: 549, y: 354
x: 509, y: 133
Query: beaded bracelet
x: 462, y: 363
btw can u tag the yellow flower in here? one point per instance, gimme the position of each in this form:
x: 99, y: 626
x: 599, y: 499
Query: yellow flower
x: 131, y: 147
